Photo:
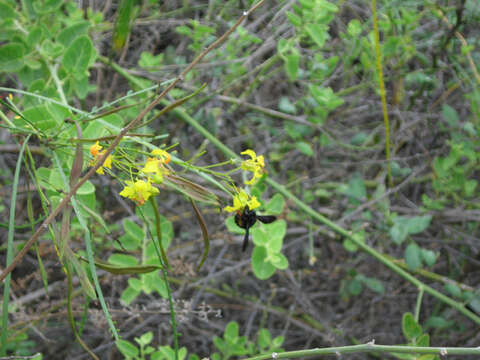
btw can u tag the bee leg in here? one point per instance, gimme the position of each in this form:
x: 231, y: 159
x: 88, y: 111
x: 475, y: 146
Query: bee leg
x: 245, y: 240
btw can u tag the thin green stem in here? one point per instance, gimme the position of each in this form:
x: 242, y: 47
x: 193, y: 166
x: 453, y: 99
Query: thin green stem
x: 158, y: 228
x: 11, y: 231
x: 418, y: 305
x: 382, y: 91
x: 369, y: 347
x: 71, y: 318
x: 161, y: 257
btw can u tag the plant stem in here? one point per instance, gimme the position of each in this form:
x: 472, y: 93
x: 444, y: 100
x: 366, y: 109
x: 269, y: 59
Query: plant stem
x: 382, y: 91
x: 369, y: 347
x: 11, y: 231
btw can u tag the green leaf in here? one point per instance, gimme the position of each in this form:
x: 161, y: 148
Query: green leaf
x: 127, y: 348
x: 44, y: 7
x: 453, y: 289
x: 135, y: 284
x: 437, y: 322
x: 327, y: 6
x: 275, y: 233
x: 261, y: 268
x: 263, y: 339
x: 125, y: 16
x: 404, y: 226
x: 278, y: 341
x: 259, y: 236
x: 418, y: 224
x: 145, y: 339
x: 304, y: 147
x: 278, y: 260
x: 7, y: 11
x: 423, y: 340
x: 78, y: 55
x: 356, y: 190
x: 86, y: 188
x: 50, y: 49
x: 294, y: 19
x: 350, y: 246
x: 355, y: 287
x: 286, y: 105
x: 292, y: 63
x: 413, y: 257
x: 411, y: 329
x: 359, y: 138
x: 231, y: 332
x: 469, y: 187
x: 275, y: 205
x: 373, y: 284
x: 11, y: 56
x: 133, y: 230
x: 123, y: 260
x: 318, y: 33
x: 450, y: 115
x: 354, y: 28
x: 429, y: 257
x: 67, y: 35
x: 128, y: 295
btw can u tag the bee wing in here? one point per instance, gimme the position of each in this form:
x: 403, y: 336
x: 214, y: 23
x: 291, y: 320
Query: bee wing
x: 266, y: 219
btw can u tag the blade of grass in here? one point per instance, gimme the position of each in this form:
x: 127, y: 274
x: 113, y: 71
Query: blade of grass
x: 11, y: 231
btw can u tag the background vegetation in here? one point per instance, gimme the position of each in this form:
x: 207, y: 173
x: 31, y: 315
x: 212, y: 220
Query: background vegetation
x: 377, y: 230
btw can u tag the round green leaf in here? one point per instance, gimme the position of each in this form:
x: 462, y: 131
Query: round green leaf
x: 413, y: 256
x: 275, y: 205
x: 86, y: 188
x: 77, y: 56
x: 11, y: 56
x: 262, y: 268
x: 410, y: 327
x: 127, y: 348
x: 279, y: 261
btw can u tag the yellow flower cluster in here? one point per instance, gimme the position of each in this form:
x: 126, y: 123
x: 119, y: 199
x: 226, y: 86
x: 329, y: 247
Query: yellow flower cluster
x: 96, y: 153
x: 156, y: 165
x: 242, y: 199
x: 255, y: 165
x: 141, y: 190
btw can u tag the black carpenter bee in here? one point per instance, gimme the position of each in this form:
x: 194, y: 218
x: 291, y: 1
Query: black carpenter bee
x: 247, y: 218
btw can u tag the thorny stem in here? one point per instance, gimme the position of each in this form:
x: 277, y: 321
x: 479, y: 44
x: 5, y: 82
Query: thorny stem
x: 117, y: 140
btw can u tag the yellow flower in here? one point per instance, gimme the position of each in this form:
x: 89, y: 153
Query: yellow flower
x: 155, y: 166
x: 241, y: 200
x: 94, y: 149
x: 163, y: 155
x: 256, y: 165
x: 107, y: 163
x: 139, y: 191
